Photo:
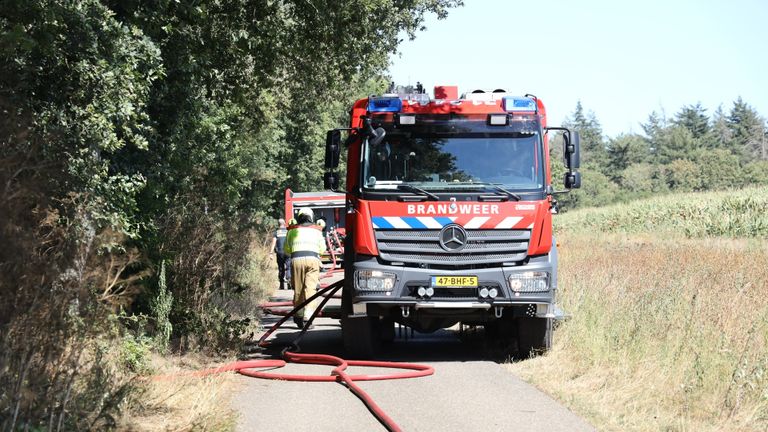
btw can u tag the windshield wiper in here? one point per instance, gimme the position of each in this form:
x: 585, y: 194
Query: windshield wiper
x: 497, y: 188
x: 512, y: 195
x: 418, y: 190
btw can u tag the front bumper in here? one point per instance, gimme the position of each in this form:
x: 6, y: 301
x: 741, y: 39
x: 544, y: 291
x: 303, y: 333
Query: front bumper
x: 403, y: 296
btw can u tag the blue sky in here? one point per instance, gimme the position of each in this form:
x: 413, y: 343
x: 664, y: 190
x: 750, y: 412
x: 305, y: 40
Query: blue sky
x: 622, y: 59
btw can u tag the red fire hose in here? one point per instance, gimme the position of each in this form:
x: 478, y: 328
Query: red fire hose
x: 338, y: 374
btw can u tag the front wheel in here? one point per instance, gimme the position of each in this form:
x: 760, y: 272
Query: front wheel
x: 361, y: 337
x: 360, y: 334
x: 534, y: 336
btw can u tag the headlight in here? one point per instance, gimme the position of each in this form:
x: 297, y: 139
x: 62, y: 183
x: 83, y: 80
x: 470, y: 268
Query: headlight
x: 374, y: 280
x: 529, y: 282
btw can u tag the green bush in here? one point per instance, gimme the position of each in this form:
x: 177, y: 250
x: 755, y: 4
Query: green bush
x: 134, y: 353
x: 719, y: 170
x: 161, y: 308
x: 683, y: 175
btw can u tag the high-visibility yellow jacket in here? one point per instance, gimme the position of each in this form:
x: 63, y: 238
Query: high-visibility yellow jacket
x: 304, y: 240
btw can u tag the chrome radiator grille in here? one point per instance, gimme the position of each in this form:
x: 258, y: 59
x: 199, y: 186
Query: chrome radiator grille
x: 482, y: 247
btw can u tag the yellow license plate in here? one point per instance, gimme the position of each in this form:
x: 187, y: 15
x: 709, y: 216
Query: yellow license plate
x: 454, y: 281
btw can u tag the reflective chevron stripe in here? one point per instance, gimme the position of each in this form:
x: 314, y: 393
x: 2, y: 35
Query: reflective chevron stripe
x: 427, y: 222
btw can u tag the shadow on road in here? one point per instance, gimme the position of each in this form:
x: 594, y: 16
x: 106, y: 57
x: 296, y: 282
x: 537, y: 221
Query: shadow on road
x: 442, y: 345
x: 466, y: 344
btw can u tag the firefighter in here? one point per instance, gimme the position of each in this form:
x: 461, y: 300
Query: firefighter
x: 291, y: 225
x: 278, y: 241
x: 304, y: 244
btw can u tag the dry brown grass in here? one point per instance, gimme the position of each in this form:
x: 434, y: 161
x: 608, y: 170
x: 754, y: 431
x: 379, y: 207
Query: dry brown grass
x: 666, y: 334
x: 183, y: 403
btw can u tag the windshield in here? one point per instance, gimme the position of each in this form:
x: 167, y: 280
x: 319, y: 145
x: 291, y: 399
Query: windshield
x: 512, y: 161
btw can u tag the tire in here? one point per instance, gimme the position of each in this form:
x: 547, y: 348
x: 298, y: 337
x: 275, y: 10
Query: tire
x: 387, y: 330
x: 534, y: 336
x: 501, y: 338
x: 361, y: 337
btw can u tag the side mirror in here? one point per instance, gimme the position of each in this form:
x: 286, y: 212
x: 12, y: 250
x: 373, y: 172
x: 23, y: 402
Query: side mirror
x: 572, y: 180
x: 571, y: 151
x: 332, y: 149
x: 331, y: 181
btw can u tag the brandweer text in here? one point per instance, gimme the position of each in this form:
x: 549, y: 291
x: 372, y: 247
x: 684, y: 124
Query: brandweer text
x: 434, y: 209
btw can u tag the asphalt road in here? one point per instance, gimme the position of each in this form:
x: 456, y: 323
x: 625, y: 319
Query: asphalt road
x: 470, y: 390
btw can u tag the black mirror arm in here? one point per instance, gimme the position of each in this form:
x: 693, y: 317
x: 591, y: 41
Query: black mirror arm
x: 375, y: 135
x: 367, y: 128
x: 551, y: 191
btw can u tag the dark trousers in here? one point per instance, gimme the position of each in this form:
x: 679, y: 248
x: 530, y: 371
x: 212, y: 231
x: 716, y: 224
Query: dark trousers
x: 282, y: 261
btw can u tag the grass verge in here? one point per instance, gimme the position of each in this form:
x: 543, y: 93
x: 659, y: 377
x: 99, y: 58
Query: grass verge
x: 183, y: 403
x: 669, y: 326
x: 186, y: 403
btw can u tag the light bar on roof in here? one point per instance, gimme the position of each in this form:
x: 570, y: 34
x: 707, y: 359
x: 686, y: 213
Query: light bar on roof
x: 385, y: 104
x: 519, y: 104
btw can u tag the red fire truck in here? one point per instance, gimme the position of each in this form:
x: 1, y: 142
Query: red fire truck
x: 326, y: 206
x: 449, y: 204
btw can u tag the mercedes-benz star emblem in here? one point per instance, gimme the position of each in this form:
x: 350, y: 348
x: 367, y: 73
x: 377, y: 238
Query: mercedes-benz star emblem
x: 453, y: 238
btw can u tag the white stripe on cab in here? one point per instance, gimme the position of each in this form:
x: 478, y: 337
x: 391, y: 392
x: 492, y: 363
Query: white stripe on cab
x: 429, y: 222
x: 509, y: 222
x: 397, y: 222
x: 476, y: 222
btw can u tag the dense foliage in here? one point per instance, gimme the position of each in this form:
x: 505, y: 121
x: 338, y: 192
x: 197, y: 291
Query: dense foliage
x: 147, y: 135
x: 691, y: 151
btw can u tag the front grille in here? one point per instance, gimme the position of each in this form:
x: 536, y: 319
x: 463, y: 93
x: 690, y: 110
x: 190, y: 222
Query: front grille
x: 483, y: 247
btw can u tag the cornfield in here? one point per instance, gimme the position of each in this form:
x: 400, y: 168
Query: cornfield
x: 668, y: 325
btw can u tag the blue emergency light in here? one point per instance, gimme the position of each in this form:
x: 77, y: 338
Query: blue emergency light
x: 385, y: 104
x: 519, y: 104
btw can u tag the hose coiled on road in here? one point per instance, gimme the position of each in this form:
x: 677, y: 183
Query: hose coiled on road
x: 291, y: 354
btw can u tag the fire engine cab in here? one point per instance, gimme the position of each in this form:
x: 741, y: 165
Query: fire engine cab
x: 449, y: 204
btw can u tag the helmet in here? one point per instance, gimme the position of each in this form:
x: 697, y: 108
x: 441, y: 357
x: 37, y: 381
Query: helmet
x: 292, y: 222
x: 321, y: 223
x: 307, y: 213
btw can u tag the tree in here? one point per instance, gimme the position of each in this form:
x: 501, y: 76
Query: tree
x: 676, y: 142
x: 75, y: 84
x: 694, y: 118
x: 719, y: 169
x: 165, y: 128
x: 654, y: 129
x: 683, y: 175
x: 596, y: 190
x: 748, y: 130
x: 592, y: 144
x: 643, y: 179
x: 720, y: 135
x: 755, y: 173
x: 625, y: 150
